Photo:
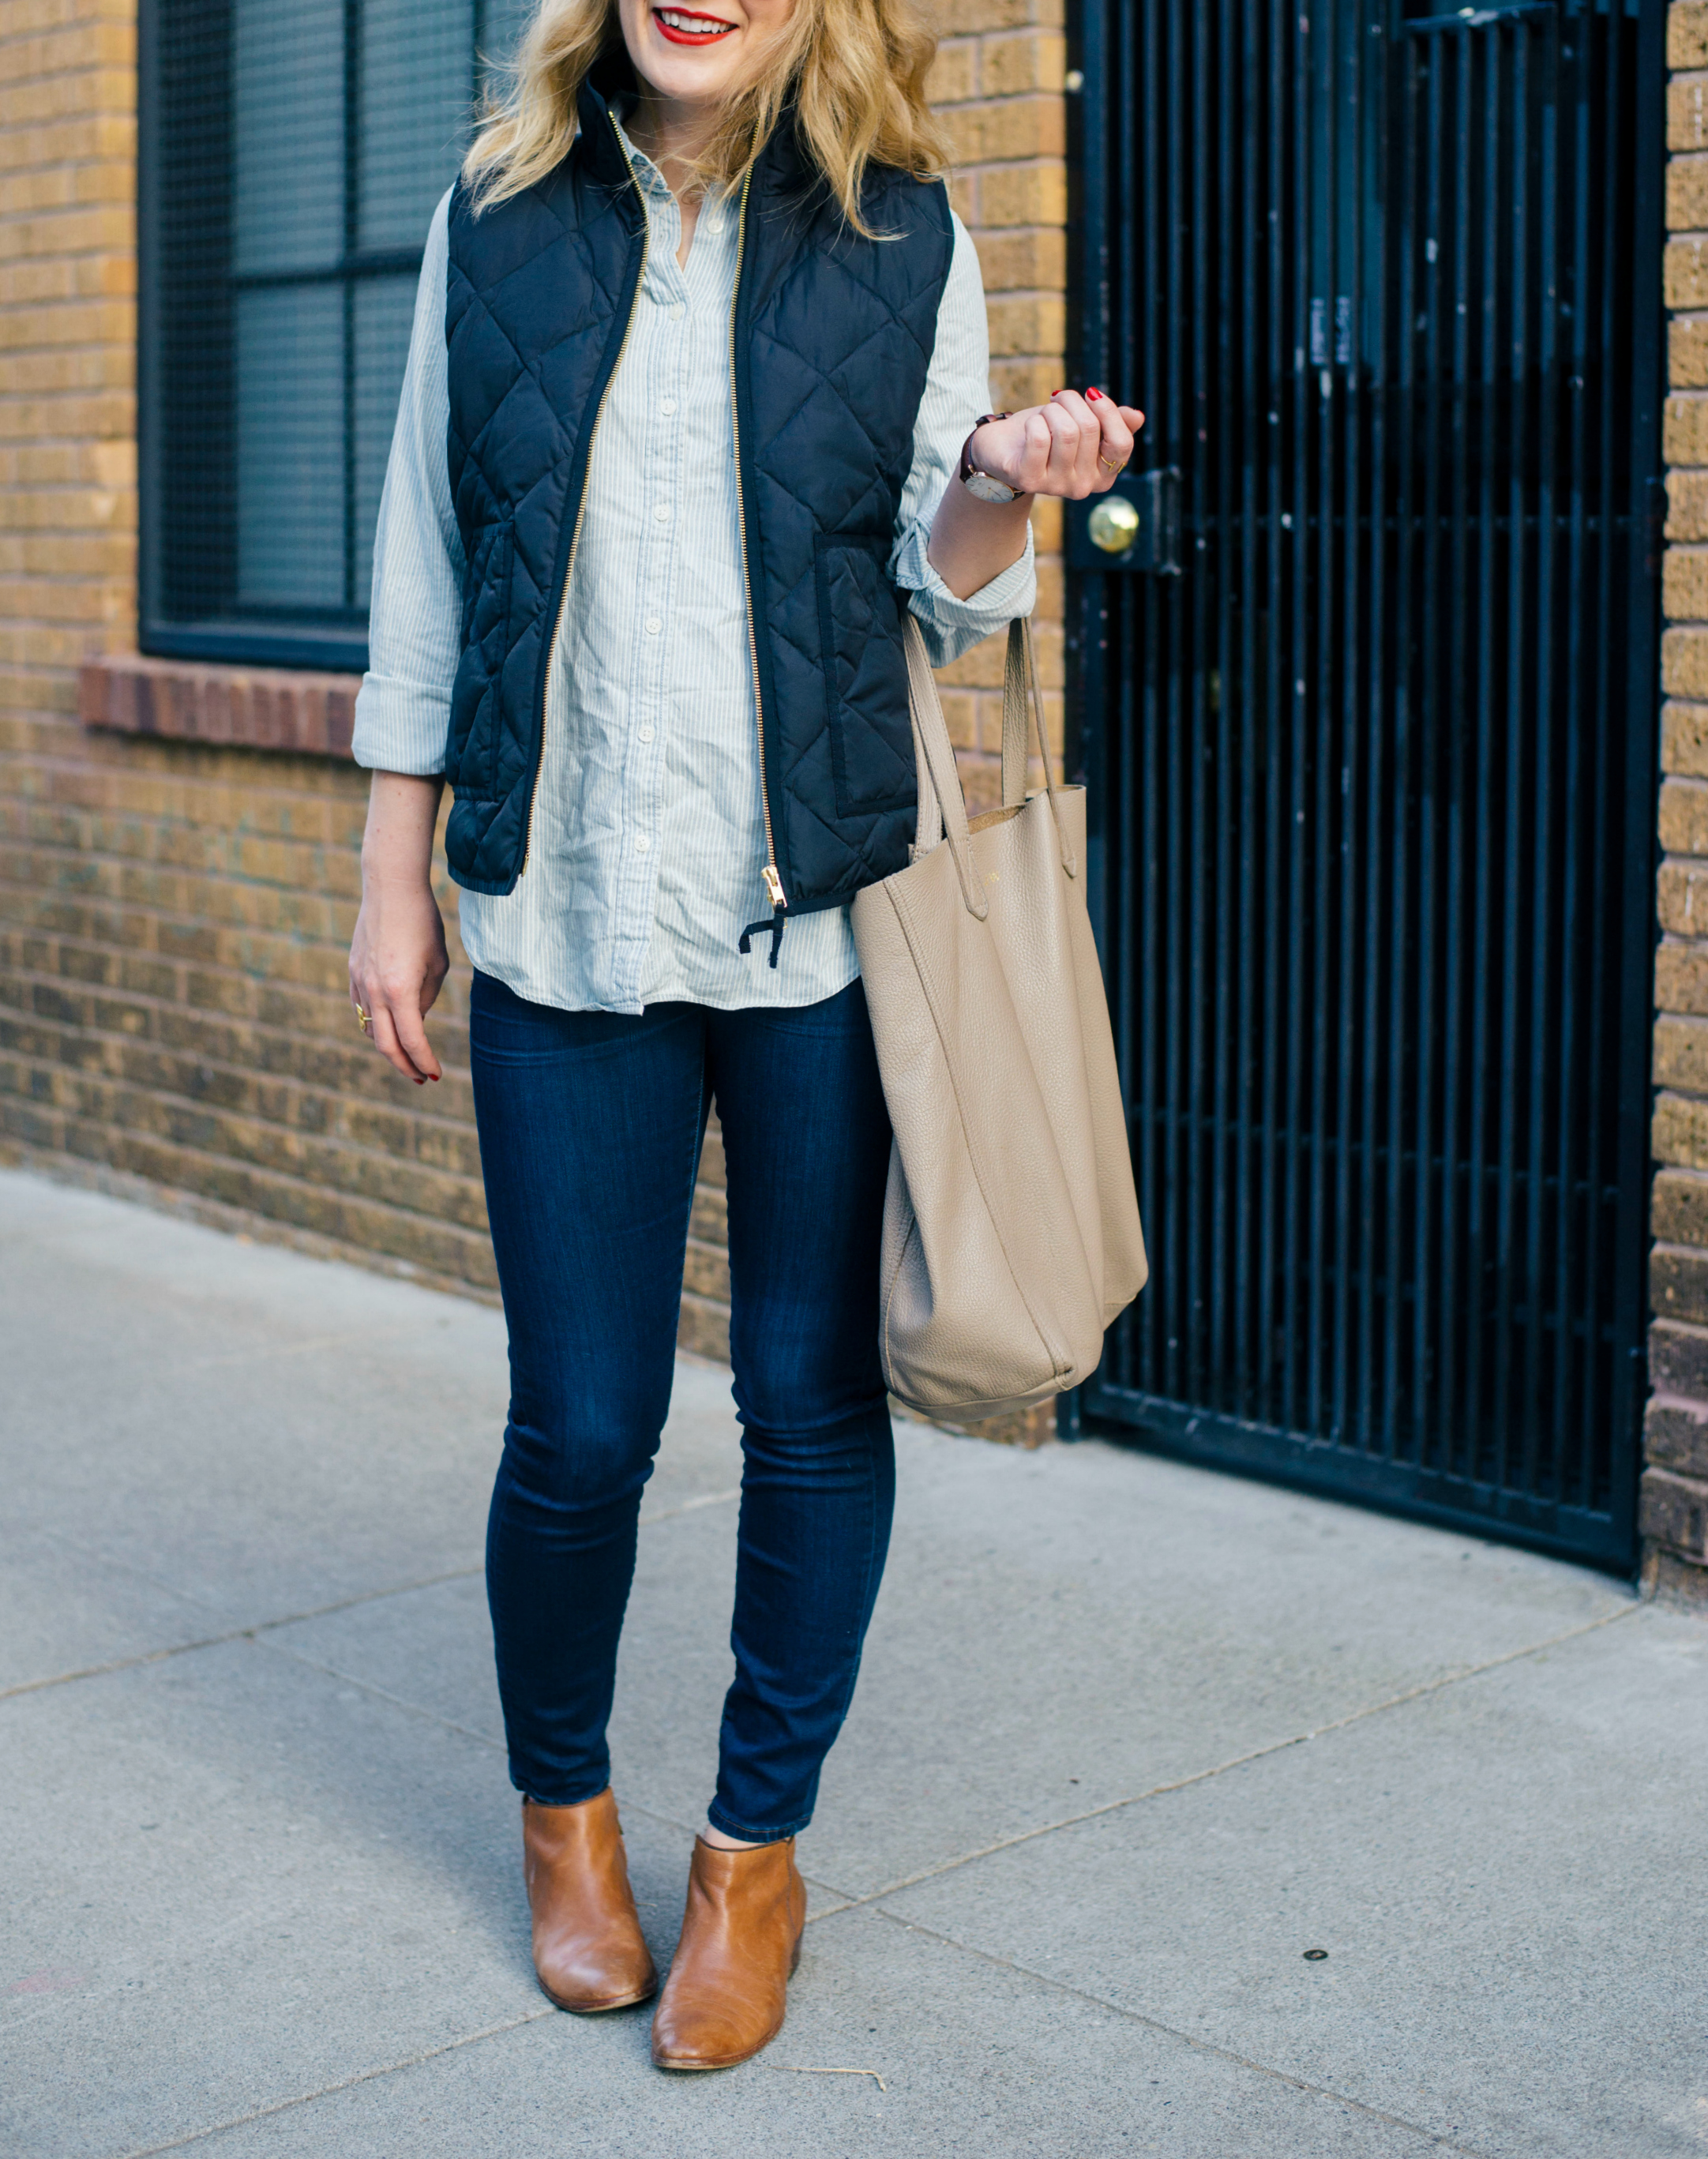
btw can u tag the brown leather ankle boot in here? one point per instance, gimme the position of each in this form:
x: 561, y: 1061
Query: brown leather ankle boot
x: 588, y: 1949
x: 741, y: 1940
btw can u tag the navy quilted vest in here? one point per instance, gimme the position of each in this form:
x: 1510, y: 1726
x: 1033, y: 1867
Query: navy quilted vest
x: 833, y: 337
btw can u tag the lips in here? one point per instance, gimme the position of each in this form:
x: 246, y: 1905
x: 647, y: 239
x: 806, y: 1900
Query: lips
x: 687, y: 26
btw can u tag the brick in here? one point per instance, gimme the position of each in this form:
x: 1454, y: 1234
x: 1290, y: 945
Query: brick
x: 1681, y: 1054
x: 1684, y: 662
x: 1687, y: 504
x: 1687, y: 193
x: 1678, y: 1359
x: 1687, y: 352
x: 1687, y: 34
x: 1678, y: 1134
x: 1683, y: 899
x: 1684, y: 273
x: 1673, y: 1510
x: 1024, y: 194
x: 1685, y: 428
x: 1687, y: 112
x: 1034, y: 61
x: 1679, y: 1207
x: 1026, y: 324
x: 1013, y: 128
x: 1678, y: 1283
x: 1675, y: 1435
x: 1684, y: 737
x: 1684, y: 816
x: 953, y: 77
x: 1017, y: 262
x: 1685, y: 584
x: 1681, y: 976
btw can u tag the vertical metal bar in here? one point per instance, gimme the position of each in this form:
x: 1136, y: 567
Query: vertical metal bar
x: 1568, y: 1046
x: 1400, y: 1428
x: 1195, y: 607
x: 1543, y: 925
x: 1349, y: 857
x: 1591, y: 1406
x: 1272, y: 1263
x: 1298, y: 645
x: 1247, y: 127
x: 1229, y: 413
x: 1486, y: 375
x: 1371, y: 313
x: 1520, y: 720
x: 1450, y: 719
x: 1144, y: 666
x: 1317, y: 825
x: 1640, y: 601
x: 1430, y: 705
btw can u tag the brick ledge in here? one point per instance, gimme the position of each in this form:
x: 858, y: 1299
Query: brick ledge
x: 268, y: 708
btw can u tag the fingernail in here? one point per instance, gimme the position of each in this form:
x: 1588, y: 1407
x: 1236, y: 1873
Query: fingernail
x: 1092, y: 394
x: 1055, y: 393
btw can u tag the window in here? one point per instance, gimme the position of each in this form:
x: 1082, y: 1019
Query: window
x: 293, y: 153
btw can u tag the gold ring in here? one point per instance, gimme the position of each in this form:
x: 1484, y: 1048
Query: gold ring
x: 1115, y: 467
x: 362, y: 1019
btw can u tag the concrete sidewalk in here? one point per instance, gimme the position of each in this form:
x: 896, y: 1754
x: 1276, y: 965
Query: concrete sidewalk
x: 1132, y: 1738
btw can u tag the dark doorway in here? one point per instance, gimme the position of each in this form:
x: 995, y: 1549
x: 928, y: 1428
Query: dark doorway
x: 1373, y: 774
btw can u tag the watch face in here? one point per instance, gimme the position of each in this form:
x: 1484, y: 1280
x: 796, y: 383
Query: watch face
x: 983, y: 488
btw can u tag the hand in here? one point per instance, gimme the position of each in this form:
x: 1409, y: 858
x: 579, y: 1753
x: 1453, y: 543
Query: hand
x: 1073, y: 447
x: 398, y: 962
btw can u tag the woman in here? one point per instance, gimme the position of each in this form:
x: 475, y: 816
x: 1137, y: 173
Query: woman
x: 688, y: 419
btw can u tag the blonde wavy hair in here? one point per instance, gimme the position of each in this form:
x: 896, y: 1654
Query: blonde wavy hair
x: 853, y: 69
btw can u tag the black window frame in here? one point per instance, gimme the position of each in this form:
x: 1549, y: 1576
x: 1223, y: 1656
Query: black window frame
x: 200, y: 482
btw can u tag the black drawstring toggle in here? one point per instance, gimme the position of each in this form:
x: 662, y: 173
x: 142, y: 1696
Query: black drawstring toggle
x: 753, y: 929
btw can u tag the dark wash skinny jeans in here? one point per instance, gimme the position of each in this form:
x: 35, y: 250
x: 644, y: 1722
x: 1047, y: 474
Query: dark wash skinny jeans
x: 590, y: 1132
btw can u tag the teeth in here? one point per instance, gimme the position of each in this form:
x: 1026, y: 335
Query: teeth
x: 691, y: 25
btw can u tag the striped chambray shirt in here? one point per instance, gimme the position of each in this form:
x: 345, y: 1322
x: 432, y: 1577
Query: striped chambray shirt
x: 648, y: 842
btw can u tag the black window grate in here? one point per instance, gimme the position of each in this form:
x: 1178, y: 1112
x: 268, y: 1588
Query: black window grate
x: 1373, y: 779
x: 291, y: 157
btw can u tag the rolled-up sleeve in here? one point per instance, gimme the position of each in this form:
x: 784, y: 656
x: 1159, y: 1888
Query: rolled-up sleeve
x: 403, y: 709
x: 957, y: 391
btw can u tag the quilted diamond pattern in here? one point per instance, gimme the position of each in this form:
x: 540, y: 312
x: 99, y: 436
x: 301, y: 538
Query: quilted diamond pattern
x: 834, y: 336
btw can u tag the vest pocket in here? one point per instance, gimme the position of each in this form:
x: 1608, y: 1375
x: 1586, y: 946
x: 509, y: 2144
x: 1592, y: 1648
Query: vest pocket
x: 471, y: 762
x: 866, y: 674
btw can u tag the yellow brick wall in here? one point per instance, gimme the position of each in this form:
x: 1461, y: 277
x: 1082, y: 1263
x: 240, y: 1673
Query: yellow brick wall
x: 997, y: 82
x: 174, y: 918
x: 1676, y: 1481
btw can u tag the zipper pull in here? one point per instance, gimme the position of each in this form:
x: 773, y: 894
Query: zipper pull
x: 773, y: 888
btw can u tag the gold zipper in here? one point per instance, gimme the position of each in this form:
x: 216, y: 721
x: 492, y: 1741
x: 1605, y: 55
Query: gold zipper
x: 773, y: 882
x: 581, y: 512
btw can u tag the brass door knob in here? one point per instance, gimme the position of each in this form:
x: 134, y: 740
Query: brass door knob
x: 1113, y: 524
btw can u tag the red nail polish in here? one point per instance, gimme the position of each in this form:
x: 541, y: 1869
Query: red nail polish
x: 1055, y: 393
x: 1092, y: 394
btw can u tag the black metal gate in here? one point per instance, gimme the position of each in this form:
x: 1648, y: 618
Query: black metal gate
x: 1373, y: 775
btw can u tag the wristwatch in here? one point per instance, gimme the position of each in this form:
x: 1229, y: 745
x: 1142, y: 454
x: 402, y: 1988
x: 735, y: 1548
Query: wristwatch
x: 980, y: 484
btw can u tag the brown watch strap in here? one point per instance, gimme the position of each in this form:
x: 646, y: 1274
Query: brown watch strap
x: 967, y: 467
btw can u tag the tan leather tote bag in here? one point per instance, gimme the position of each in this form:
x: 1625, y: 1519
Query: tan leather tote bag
x: 1011, y: 1227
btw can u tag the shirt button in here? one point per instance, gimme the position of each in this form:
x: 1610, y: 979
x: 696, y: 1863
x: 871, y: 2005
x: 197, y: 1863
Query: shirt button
x: 714, y: 224
x: 646, y: 734
x: 661, y: 511
x: 642, y: 844
x: 667, y: 406
x: 653, y: 625
x: 677, y: 312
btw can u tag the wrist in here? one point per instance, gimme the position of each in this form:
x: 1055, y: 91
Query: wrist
x: 982, y: 485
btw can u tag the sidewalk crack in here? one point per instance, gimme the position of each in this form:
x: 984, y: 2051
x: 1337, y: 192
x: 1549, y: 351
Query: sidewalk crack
x: 1442, y: 2142
x: 1417, y: 1693
x: 343, y: 2083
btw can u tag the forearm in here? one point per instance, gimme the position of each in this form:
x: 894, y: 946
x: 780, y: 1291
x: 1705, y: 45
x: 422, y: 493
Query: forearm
x: 974, y: 541
x: 397, y: 845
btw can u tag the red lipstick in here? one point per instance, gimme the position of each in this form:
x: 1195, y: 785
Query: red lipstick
x: 707, y: 30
